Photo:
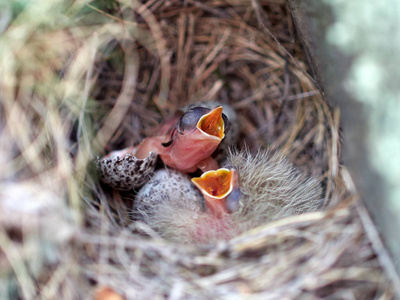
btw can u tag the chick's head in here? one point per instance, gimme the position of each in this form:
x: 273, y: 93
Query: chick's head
x: 196, y: 136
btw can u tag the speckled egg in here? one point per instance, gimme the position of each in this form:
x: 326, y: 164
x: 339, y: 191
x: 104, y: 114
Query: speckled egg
x: 167, y: 188
x: 123, y: 171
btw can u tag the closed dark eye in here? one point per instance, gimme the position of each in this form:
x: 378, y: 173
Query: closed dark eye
x: 190, y: 119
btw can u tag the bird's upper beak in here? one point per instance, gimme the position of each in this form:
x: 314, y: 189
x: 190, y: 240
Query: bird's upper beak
x: 212, y: 124
x: 215, y: 187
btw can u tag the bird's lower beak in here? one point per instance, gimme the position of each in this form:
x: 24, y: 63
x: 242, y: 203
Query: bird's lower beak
x: 215, y: 187
x: 212, y: 123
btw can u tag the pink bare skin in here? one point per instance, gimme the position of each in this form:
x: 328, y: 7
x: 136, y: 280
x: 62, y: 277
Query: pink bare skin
x: 190, y: 152
x: 180, y: 156
x: 150, y: 144
x: 209, y: 228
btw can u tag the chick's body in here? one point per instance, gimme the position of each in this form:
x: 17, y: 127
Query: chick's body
x: 270, y: 188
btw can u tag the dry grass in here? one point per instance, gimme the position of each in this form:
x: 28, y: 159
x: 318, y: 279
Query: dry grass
x: 84, y: 78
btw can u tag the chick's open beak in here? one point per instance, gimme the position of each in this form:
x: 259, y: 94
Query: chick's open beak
x: 212, y: 123
x: 215, y: 187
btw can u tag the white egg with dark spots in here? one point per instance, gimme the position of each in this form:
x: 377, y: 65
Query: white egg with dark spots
x: 123, y: 171
x: 167, y: 189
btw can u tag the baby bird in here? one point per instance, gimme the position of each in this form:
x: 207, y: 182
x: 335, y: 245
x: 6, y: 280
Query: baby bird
x: 189, y: 145
x: 257, y: 189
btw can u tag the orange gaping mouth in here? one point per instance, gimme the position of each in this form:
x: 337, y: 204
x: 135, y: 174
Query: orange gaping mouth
x: 213, y: 123
x: 216, y: 184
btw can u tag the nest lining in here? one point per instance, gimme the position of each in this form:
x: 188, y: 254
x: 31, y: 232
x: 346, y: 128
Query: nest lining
x: 121, y: 71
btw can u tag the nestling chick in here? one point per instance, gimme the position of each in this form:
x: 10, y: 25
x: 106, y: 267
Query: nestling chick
x: 270, y: 188
x: 189, y: 145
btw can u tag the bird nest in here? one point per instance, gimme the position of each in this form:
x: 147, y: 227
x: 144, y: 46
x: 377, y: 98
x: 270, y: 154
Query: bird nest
x: 81, y: 79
